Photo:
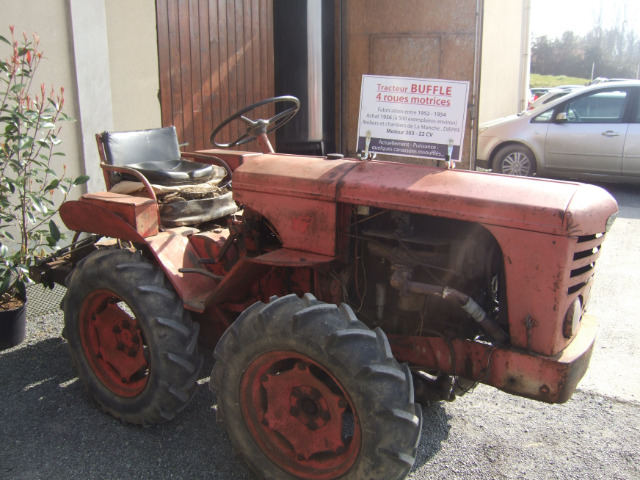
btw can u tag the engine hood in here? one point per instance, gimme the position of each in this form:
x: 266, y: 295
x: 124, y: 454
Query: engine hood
x: 545, y: 206
x: 500, y: 121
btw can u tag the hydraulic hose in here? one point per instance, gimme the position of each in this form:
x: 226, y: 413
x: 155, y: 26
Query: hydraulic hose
x: 401, y: 280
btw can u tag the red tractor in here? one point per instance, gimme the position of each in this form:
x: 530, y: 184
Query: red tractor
x: 339, y: 293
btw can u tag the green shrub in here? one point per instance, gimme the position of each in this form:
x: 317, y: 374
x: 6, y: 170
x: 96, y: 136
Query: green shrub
x: 29, y: 129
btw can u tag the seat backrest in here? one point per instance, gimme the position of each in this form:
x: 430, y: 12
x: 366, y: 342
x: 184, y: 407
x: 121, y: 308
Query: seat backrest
x: 154, y: 145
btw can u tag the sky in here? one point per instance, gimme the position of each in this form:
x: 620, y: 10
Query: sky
x: 554, y: 17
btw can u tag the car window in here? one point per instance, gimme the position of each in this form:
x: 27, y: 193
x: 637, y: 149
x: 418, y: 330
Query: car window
x: 543, y: 117
x: 599, y: 107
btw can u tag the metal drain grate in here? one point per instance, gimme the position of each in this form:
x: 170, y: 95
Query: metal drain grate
x: 42, y: 300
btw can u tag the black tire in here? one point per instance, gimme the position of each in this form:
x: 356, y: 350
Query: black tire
x: 131, y: 341
x: 305, y: 390
x: 515, y: 160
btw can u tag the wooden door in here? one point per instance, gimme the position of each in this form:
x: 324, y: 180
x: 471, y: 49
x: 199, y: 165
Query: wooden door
x: 407, y: 38
x: 215, y: 57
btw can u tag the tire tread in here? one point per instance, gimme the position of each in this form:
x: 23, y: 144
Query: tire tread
x: 359, y: 355
x: 168, y: 329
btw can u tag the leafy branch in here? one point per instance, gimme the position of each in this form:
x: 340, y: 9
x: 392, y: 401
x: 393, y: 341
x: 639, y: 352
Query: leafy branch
x: 31, y: 191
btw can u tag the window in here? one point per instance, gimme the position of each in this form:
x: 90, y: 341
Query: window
x: 600, y: 107
x: 544, y: 117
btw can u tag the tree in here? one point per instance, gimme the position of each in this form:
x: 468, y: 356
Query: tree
x: 615, y: 53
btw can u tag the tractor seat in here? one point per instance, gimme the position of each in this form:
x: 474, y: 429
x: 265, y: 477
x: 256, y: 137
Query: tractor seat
x: 174, y: 172
x: 156, y: 154
x: 187, y: 193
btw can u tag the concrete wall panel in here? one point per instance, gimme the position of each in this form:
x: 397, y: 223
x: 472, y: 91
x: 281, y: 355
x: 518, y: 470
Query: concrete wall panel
x: 505, y: 58
x: 133, y: 60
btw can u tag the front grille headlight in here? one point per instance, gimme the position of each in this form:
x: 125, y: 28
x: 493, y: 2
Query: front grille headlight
x: 572, y: 318
x: 610, y: 221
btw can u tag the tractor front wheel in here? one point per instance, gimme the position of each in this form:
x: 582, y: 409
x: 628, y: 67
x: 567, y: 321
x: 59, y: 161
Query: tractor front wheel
x: 305, y: 390
x: 131, y: 341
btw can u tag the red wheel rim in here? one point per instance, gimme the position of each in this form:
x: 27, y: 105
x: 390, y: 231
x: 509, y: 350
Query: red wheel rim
x: 300, y: 415
x: 114, y: 344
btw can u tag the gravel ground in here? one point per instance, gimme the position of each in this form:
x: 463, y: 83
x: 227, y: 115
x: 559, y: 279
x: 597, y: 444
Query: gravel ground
x: 50, y: 428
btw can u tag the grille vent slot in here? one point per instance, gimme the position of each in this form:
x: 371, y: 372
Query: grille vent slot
x: 587, y: 251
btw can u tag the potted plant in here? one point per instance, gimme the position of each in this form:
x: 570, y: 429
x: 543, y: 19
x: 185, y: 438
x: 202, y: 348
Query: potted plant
x: 31, y: 191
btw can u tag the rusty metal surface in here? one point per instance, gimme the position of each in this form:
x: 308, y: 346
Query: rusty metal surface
x: 139, y: 212
x: 233, y: 158
x: 297, y: 195
x: 551, y: 379
x: 302, y: 224
x: 174, y: 252
x: 240, y: 278
x: 559, y: 208
x: 538, y: 271
x: 307, y: 177
x: 285, y: 257
x: 516, y: 202
x: 83, y: 216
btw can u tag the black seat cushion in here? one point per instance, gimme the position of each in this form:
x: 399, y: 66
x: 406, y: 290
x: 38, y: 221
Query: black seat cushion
x: 174, y: 172
x: 156, y: 154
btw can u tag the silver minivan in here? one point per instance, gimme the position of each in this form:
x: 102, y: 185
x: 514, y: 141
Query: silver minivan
x: 590, y: 134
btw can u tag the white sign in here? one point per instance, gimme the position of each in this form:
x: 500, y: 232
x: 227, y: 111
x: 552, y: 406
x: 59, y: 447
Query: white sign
x: 412, y: 117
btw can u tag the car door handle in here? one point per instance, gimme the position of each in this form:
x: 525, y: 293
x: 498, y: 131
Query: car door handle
x: 610, y: 133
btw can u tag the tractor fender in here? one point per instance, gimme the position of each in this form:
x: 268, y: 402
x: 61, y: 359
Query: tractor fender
x: 83, y: 216
x: 133, y: 219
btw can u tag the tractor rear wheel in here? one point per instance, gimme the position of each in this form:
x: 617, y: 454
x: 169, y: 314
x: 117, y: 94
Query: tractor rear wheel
x: 131, y: 341
x: 305, y: 390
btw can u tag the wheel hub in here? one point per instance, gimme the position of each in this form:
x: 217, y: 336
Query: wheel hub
x: 300, y: 415
x: 119, y: 341
x: 308, y: 407
x: 114, y: 345
x: 517, y: 164
x: 311, y: 405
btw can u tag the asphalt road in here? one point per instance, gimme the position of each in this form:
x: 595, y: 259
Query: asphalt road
x: 51, y: 429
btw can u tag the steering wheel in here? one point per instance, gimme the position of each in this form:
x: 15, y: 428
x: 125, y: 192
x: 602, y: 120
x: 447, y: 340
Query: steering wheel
x: 255, y: 128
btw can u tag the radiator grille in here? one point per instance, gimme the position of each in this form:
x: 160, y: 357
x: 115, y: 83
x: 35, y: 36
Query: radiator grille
x: 587, y: 251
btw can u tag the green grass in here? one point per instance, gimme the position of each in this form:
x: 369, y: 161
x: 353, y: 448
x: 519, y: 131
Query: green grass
x: 537, y: 80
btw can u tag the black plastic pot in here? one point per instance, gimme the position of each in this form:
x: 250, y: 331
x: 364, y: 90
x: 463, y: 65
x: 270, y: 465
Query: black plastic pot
x: 13, y: 327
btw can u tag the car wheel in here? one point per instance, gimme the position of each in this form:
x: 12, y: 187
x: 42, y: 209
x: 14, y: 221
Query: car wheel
x: 515, y: 160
